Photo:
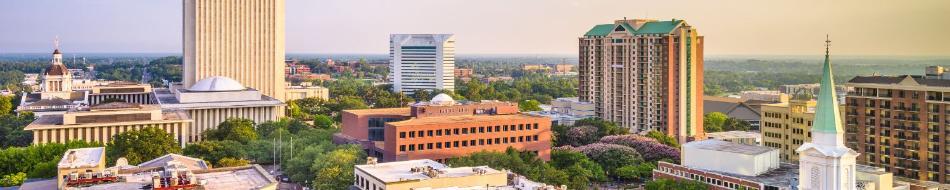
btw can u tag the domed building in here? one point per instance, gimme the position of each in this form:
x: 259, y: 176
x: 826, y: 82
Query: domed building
x: 213, y: 100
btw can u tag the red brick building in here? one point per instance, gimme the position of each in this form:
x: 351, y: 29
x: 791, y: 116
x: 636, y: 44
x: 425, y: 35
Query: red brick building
x: 443, y: 128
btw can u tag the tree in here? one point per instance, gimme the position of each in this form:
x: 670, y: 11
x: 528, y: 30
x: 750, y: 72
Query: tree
x: 232, y: 162
x: 663, y: 138
x: 12, y: 179
x: 214, y: 150
x: 653, y: 150
x: 141, y: 145
x: 322, y: 121
x: 713, y: 121
x: 236, y: 129
x: 733, y: 124
x: 11, y: 130
x: 529, y: 105
x: 334, y: 170
x: 611, y: 156
x: 6, y: 104
x: 640, y: 172
x: 668, y: 184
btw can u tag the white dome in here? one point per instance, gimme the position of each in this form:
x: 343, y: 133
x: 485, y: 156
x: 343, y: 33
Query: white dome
x: 442, y: 99
x: 216, y: 83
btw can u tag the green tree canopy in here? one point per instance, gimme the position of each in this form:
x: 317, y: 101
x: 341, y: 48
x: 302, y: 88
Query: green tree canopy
x: 713, y: 121
x: 141, y: 145
x: 663, y: 138
x: 529, y: 105
x: 667, y: 184
x: 236, y: 129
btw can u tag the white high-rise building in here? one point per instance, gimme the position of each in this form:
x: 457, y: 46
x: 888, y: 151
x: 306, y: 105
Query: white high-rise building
x: 826, y: 163
x: 422, y: 62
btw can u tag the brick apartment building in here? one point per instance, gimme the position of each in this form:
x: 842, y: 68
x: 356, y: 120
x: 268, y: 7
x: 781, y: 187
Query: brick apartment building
x: 443, y: 128
x: 901, y: 123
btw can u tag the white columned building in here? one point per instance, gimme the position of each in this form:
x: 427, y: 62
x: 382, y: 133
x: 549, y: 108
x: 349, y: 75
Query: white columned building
x: 826, y: 163
x: 422, y: 62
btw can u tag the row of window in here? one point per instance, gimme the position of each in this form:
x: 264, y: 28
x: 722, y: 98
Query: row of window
x: 468, y: 130
x: 704, y: 179
x: 366, y: 184
x: 468, y: 143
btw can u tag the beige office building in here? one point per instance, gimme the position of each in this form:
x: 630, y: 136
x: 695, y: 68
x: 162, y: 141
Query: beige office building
x: 101, y: 122
x: 786, y: 126
x: 243, y: 40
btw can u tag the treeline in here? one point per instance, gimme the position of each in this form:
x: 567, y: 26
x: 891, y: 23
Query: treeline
x: 531, y: 86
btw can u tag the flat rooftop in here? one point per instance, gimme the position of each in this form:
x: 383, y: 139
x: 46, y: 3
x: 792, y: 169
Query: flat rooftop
x: 82, y: 158
x: 382, y: 111
x: 779, y: 177
x: 461, y: 119
x: 724, y: 146
x: 733, y: 134
x: 401, y: 171
x: 168, y: 100
x: 236, y: 178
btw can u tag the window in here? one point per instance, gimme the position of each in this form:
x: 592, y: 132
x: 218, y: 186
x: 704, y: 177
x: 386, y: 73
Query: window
x: 430, y: 133
x: 497, y: 140
x: 521, y: 127
x: 412, y: 134
x: 429, y: 146
x: 375, y: 128
x: 489, y: 129
x: 471, y: 142
x: 505, y: 141
x: 464, y: 143
x: 422, y: 134
x: 535, y: 125
x: 438, y: 132
x: 402, y: 148
x: 472, y: 130
x: 536, y: 138
x: 481, y: 141
x: 402, y: 135
x: 421, y: 147
x: 455, y: 144
x: 438, y: 145
x: 512, y: 139
x: 412, y: 147
x: 489, y: 142
x: 456, y: 131
x: 464, y: 130
x: 505, y: 128
x: 521, y: 139
x: 448, y: 132
x: 448, y: 145
x: 481, y: 129
x: 497, y: 128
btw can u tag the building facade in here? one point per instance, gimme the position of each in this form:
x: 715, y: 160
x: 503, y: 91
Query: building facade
x: 422, y: 62
x: 443, y: 129
x: 645, y: 75
x: 215, y: 99
x: 101, y: 122
x: 901, y: 123
x: 425, y: 174
x: 301, y: 92
x: 243, y: 40
x: 120, y: 91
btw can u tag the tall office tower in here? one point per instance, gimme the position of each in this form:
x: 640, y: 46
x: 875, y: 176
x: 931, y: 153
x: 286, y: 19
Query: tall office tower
x: 421, y: 62
x: 902, y: 123
x: 825, y: 163
x: 242, y: 40
x: 645, y: 75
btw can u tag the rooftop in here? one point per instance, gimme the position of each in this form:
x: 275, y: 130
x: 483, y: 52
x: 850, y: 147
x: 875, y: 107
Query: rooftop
x: 402, y: 171
x: 733, y: 134
x: 461, y: 119
x: 911, y: 80
x: 82, y: 158
x: 724, y: 146
x: 56, y: 121
x: 167, y: 100
x: 188, y: 162
x: 649, y: 27
x: 216, y: 84
x: 383, y: 111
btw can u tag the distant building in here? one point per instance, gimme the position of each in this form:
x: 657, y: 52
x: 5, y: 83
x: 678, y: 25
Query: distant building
x: 764, y: 95
x: 563, y: 68
x: 566, y: 111
x: 57, y: 80
x: 428, y: 174
x: 242, y: 40
x: 811, y: 89
x: 295, y: 68
x: 733, y: 107
x: 443, y: 128
x: 902, y: 123
x: 496, y: 79
x: 535, y: 68
x: 101, y: 122
x: 786, y: 126
x: 215, y: 99
x: 312, y: 76
x: 301, y: 92
x: 121, y: 91
x: 422, y: 62
x: 55, y: 94
x: 463, y: 73
x: 654, y: 84
x: 741, y: 137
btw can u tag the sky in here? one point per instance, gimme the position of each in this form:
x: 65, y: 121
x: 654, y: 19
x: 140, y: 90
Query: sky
x: 730, y: 27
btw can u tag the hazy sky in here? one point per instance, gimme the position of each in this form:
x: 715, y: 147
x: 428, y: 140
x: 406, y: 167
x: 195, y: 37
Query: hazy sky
x: 731, y: 27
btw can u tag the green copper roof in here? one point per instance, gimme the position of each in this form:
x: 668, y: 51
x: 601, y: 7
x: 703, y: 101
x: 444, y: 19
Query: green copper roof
x: 656, y: 27
x: 827, y: 117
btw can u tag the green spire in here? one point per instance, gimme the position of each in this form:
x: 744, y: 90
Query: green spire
x: 827, y: 117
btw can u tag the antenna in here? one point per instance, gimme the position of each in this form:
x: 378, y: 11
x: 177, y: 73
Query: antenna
x: 827, y: 43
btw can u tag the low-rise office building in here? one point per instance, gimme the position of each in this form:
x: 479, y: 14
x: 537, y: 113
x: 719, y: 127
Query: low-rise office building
x: 83, y: 166
x: 301, y: 92
x: 741, y: 137
x: 787, y: 125
x: 566, y: 111
x: 121, y: 91
x: 215, y: 99
x: 100, y: 123
x: 443, y: 128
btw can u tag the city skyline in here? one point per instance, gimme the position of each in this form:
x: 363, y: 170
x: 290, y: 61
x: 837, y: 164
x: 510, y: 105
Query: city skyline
x: 525, y: 27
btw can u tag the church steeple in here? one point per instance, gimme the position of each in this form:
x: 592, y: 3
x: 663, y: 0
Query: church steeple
x: 827, y: 116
